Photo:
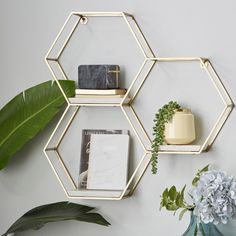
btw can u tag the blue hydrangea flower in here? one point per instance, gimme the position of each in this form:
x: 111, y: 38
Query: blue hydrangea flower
x: 214, y: 197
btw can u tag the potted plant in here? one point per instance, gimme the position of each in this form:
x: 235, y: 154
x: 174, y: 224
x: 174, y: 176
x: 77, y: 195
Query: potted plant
x: 213, y: 195
x: 172, y: 125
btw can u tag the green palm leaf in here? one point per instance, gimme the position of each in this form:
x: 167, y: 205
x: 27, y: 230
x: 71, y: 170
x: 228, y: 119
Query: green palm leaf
x: 28, y: 113
x: 60, y: 211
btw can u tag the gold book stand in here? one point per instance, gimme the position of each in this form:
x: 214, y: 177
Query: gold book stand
x: 51, y: 149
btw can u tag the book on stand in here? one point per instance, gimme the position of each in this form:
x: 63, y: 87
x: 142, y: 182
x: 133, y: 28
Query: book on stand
x: 85, y: 151
x: 108, y: 162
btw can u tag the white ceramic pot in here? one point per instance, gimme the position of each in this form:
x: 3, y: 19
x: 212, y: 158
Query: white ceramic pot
x: 181, y: 129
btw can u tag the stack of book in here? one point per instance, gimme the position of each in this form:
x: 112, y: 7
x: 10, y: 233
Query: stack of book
x: 99, y: 84
x: 99, y: 96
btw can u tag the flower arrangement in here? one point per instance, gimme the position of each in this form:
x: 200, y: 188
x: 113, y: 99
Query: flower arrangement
x: 213, y: 198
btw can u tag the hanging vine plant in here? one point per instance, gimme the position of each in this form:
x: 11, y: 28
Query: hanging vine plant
x: 163, y: 116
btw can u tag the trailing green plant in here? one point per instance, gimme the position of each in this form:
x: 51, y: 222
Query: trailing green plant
x: 28, y: 113
x: 36, y: 218
x: 163, y: 116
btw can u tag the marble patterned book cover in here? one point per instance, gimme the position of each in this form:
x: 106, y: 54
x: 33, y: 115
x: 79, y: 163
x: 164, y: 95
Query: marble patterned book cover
x: 98, y: 76
x: 108, y: 162
x: 85, y: 149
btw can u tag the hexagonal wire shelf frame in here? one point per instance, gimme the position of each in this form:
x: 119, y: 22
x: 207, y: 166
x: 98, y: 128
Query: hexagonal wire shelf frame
x: 148, y: 63
x: 52, y: 58
x: 52, y: 146
x: 61, y: 171
x: 187, y: 149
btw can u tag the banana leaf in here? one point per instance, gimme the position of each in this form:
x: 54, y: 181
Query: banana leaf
x: 28, y: 113
x: 36, y: 218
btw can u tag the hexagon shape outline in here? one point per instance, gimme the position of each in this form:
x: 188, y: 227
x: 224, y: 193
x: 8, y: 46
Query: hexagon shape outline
x: 52, y: 148
x: 223, y: 93
x: 83, y: 18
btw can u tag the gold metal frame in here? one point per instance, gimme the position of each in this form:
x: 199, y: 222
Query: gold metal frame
x: 60, y: 169
x: 73, y: 21
x: 216, y: 81
x: 53, y: 63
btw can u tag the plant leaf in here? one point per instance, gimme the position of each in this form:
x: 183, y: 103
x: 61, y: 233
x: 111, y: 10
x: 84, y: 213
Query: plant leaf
x: 173, y: 193
x: 181, y: 214
x: 28, y: 113
x: 198, y: 175
x: 181, y: 201
x: 195, y: 230
x: 201, y: 229
x: 61, y: 211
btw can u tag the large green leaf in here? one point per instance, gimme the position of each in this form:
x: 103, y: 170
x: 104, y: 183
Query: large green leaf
x: 60, y: 211
x: 28, y: 113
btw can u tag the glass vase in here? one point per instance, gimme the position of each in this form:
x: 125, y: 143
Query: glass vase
x: 196, y: 228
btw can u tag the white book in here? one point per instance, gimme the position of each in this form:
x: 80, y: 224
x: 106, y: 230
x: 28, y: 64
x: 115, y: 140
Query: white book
x: 108, y: 162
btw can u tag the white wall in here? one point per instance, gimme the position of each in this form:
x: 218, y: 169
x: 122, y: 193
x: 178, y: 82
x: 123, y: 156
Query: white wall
x: 173, y: 28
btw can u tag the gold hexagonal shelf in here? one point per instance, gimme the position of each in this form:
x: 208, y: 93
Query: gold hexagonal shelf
x: 186, y: 149
x: 63, y: 166
x: 55, y: 158
x: 52, y: 151
x: 75, y: 20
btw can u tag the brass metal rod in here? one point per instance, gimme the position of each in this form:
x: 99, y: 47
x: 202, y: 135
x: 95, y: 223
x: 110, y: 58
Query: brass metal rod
x: 135, y: 36
x: 67, y: 127
x: 51, y: 59
x: 55, y: 78
x: 95, y: 104
x: 144, y: 38
x: 133, y: 82
x: 51, y: 149
x: 55, y: 130
x: 66, y: 170
x: 175, y: 59
x: 218, y: 83
x: 141, y: 174
x: 216, y: 128
x: 58, y: 35
x: 141, y: 125
x: 95, y: 14
x: 55, y: 172
x: 94, y: 198
x: 134, y: 129
x: 62, y: 71
x: 133, y: 175
x: 141, y: 84
x: 68, y: 38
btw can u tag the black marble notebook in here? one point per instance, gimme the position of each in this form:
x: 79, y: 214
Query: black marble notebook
x: 98, y: 76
